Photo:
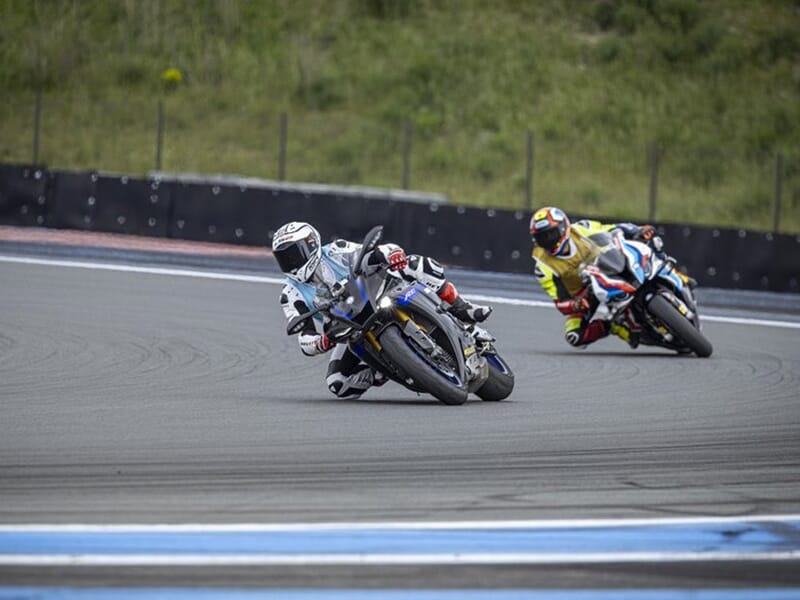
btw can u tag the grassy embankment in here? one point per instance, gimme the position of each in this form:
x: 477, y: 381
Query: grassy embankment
x: 716, y: 83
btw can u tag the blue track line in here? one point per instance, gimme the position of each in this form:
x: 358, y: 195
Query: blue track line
x: 743, y: 537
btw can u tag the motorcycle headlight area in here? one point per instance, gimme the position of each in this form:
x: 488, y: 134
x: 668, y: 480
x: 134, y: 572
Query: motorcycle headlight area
x: 385, y: 302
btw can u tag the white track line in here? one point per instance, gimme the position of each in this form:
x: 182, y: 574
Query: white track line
x: 277, y: 281
x: 132, y: 269
x: 393, y: 525
x: 475, y: 558
x: 703, y: 317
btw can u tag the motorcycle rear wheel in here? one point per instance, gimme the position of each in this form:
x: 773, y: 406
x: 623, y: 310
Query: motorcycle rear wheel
x: 500, y: 382
x: 424, y: 374
x: 680, y: 326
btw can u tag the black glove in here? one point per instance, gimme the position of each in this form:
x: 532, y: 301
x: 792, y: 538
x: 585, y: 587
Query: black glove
x: 645, y: 233
x: 648, y: 235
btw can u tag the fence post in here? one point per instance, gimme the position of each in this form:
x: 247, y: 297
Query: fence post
x: 159, y: 134
x: 655, y: 159
x: 407, y: 135
x: 776, y: 218
x: 37, y: 109
x: 283, y: 121
x: 37, y: 113
x: 529, y: 173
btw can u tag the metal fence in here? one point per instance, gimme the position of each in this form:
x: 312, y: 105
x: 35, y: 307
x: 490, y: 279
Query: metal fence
x: 529, y: 154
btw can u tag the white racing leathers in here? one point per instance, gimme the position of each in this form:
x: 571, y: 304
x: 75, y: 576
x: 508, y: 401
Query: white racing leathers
x: 347, y: 376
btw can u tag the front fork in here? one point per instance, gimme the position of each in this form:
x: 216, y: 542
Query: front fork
x: 372, y: 339
x: 476, y: 368
x: 680, y: 305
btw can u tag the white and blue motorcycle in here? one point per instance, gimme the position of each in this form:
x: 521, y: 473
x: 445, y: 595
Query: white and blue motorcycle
x: 632, y: 285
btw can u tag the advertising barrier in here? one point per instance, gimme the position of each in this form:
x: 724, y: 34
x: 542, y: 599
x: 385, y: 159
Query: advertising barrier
x: 248, y: 213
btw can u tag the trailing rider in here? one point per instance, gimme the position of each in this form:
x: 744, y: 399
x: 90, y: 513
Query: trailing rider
x: 561, y: 250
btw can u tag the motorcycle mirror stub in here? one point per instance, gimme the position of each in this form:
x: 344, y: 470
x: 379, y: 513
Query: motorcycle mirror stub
x: 373, y: 237
x: 296, y: 324
x: 369, y: 244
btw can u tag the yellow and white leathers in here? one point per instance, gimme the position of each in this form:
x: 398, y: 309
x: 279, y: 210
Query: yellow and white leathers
x: 559, y: 275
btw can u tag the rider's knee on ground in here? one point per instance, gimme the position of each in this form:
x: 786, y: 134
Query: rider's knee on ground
x: 574, y: 331
x: 574, y: 338
x: 349, y: 386
x: 582, y: 334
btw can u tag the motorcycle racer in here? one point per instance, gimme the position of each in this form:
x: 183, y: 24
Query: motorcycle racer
x: 560, y: 252
x: 313, y: 272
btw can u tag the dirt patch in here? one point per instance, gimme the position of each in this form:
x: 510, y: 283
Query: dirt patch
x: 90, y: 239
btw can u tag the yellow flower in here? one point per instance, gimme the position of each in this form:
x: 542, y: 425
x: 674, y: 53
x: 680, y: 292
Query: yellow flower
x: 172, y: 78
x: 172, y: 75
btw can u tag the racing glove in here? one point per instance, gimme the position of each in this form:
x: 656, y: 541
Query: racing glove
x: 397, y: 260
x: 324, y: 343
x: 647, y: 233
x: 573, y: 306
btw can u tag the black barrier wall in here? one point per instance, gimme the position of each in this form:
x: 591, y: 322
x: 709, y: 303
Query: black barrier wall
x: 24, y: 195
x: 486, y: 239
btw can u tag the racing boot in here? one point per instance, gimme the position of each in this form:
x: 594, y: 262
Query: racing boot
x: 469, y: 313
x: 461, y: 309
x: 626, y: 333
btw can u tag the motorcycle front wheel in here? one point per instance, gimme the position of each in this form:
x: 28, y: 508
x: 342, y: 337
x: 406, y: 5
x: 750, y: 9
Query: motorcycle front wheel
x: 680, y: 326
x: 444, y: 386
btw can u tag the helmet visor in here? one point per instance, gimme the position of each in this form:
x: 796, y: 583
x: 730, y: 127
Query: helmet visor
x: 296, y: 254
x: 549, y: 238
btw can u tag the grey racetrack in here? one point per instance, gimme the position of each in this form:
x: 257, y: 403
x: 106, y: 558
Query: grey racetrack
x: 142, y: 398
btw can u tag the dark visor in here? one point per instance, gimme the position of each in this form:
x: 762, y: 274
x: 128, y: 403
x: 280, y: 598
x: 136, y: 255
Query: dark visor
x: 295, y: 255
x: 547, y: 238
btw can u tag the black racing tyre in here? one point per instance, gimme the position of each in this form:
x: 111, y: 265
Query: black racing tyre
x: 680, y: 326
x: 500, y: 383
x: 401, y: 351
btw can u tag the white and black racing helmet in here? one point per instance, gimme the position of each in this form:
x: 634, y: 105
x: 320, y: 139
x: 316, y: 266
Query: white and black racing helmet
x: 297, y: 248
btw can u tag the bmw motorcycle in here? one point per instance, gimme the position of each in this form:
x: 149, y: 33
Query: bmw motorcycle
x: 635, y: 287
x: 405, y: 332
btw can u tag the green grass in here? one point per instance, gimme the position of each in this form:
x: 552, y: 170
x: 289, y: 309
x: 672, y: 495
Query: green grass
x: 715, y: 83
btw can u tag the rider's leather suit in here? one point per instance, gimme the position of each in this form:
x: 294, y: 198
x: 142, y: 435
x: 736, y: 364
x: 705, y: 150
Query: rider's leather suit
x: 347, y: 376
x: 560, y: 277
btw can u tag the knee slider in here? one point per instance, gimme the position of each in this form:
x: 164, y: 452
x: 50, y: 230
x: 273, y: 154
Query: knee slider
x: 349, y: 386
x: 335, y: 383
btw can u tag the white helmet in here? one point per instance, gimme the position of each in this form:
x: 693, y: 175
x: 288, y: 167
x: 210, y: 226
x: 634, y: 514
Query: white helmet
x: 296, y: 246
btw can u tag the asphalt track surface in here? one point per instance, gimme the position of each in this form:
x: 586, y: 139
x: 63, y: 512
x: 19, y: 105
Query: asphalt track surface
x: 142, y: 398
